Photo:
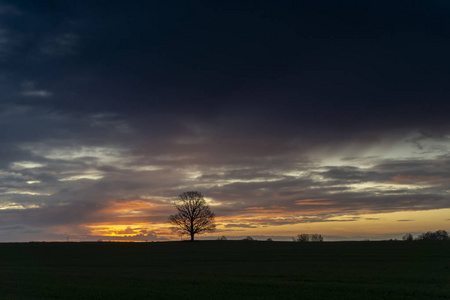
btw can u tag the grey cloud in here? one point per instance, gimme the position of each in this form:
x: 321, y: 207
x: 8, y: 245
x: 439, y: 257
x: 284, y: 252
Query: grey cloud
x: 21, y: 233
x: 8, y: 10
x: 319, y: 218
x: 243, y: 225
x: 6, y: 43
x: 37, y: 93
x: 61, y: 45
x: 354, y: 174
x: 18, y: 228
x: 341, y: 199
x: 239, y: 184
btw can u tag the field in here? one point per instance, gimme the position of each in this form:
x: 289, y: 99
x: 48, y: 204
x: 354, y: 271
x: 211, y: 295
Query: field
x: 225, y: 270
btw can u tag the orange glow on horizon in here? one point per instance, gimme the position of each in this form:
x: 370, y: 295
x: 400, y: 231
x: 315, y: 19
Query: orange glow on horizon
x: 132, y: 219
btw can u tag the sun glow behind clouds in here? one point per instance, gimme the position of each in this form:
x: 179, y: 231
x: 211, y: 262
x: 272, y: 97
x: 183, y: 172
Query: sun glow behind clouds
x: 117, y: 230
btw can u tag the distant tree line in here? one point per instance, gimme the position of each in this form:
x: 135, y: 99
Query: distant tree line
x: 439, y: 235
x: 248, y: 238
x: 307, y: 237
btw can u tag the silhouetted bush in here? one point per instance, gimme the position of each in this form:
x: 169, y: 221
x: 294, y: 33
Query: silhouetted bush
x: 222, y: 238
x: 249, y: 238
x: 269, y: 240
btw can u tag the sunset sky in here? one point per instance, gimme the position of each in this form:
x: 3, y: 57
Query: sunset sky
x: 289, y: 116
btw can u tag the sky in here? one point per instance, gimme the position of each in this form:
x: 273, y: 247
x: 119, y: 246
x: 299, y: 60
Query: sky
x: 290, y: 117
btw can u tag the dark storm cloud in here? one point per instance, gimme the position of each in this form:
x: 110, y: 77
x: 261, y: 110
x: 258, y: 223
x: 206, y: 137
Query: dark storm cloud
x: 309, y: 63
x: 110, y: 101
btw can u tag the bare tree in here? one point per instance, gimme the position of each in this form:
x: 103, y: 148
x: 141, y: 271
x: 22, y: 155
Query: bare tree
x: 194, y: 215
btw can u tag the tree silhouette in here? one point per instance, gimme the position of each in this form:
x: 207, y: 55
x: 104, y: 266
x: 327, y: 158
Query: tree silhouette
x: 194, y: 215
x: 440, y: 235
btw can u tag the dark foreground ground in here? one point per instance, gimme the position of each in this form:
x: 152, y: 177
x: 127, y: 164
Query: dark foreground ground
x: 225, y: 270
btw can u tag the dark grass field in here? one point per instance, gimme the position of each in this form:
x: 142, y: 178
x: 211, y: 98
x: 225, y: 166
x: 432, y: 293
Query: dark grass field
x: 225, y: 270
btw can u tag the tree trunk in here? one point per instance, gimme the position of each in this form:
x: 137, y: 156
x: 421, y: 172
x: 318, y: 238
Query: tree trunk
x: 192, y: 237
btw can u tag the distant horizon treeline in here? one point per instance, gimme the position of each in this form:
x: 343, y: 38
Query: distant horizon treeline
x: 439, y: 235
x: 248, y: 238
x: 303, y: 237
